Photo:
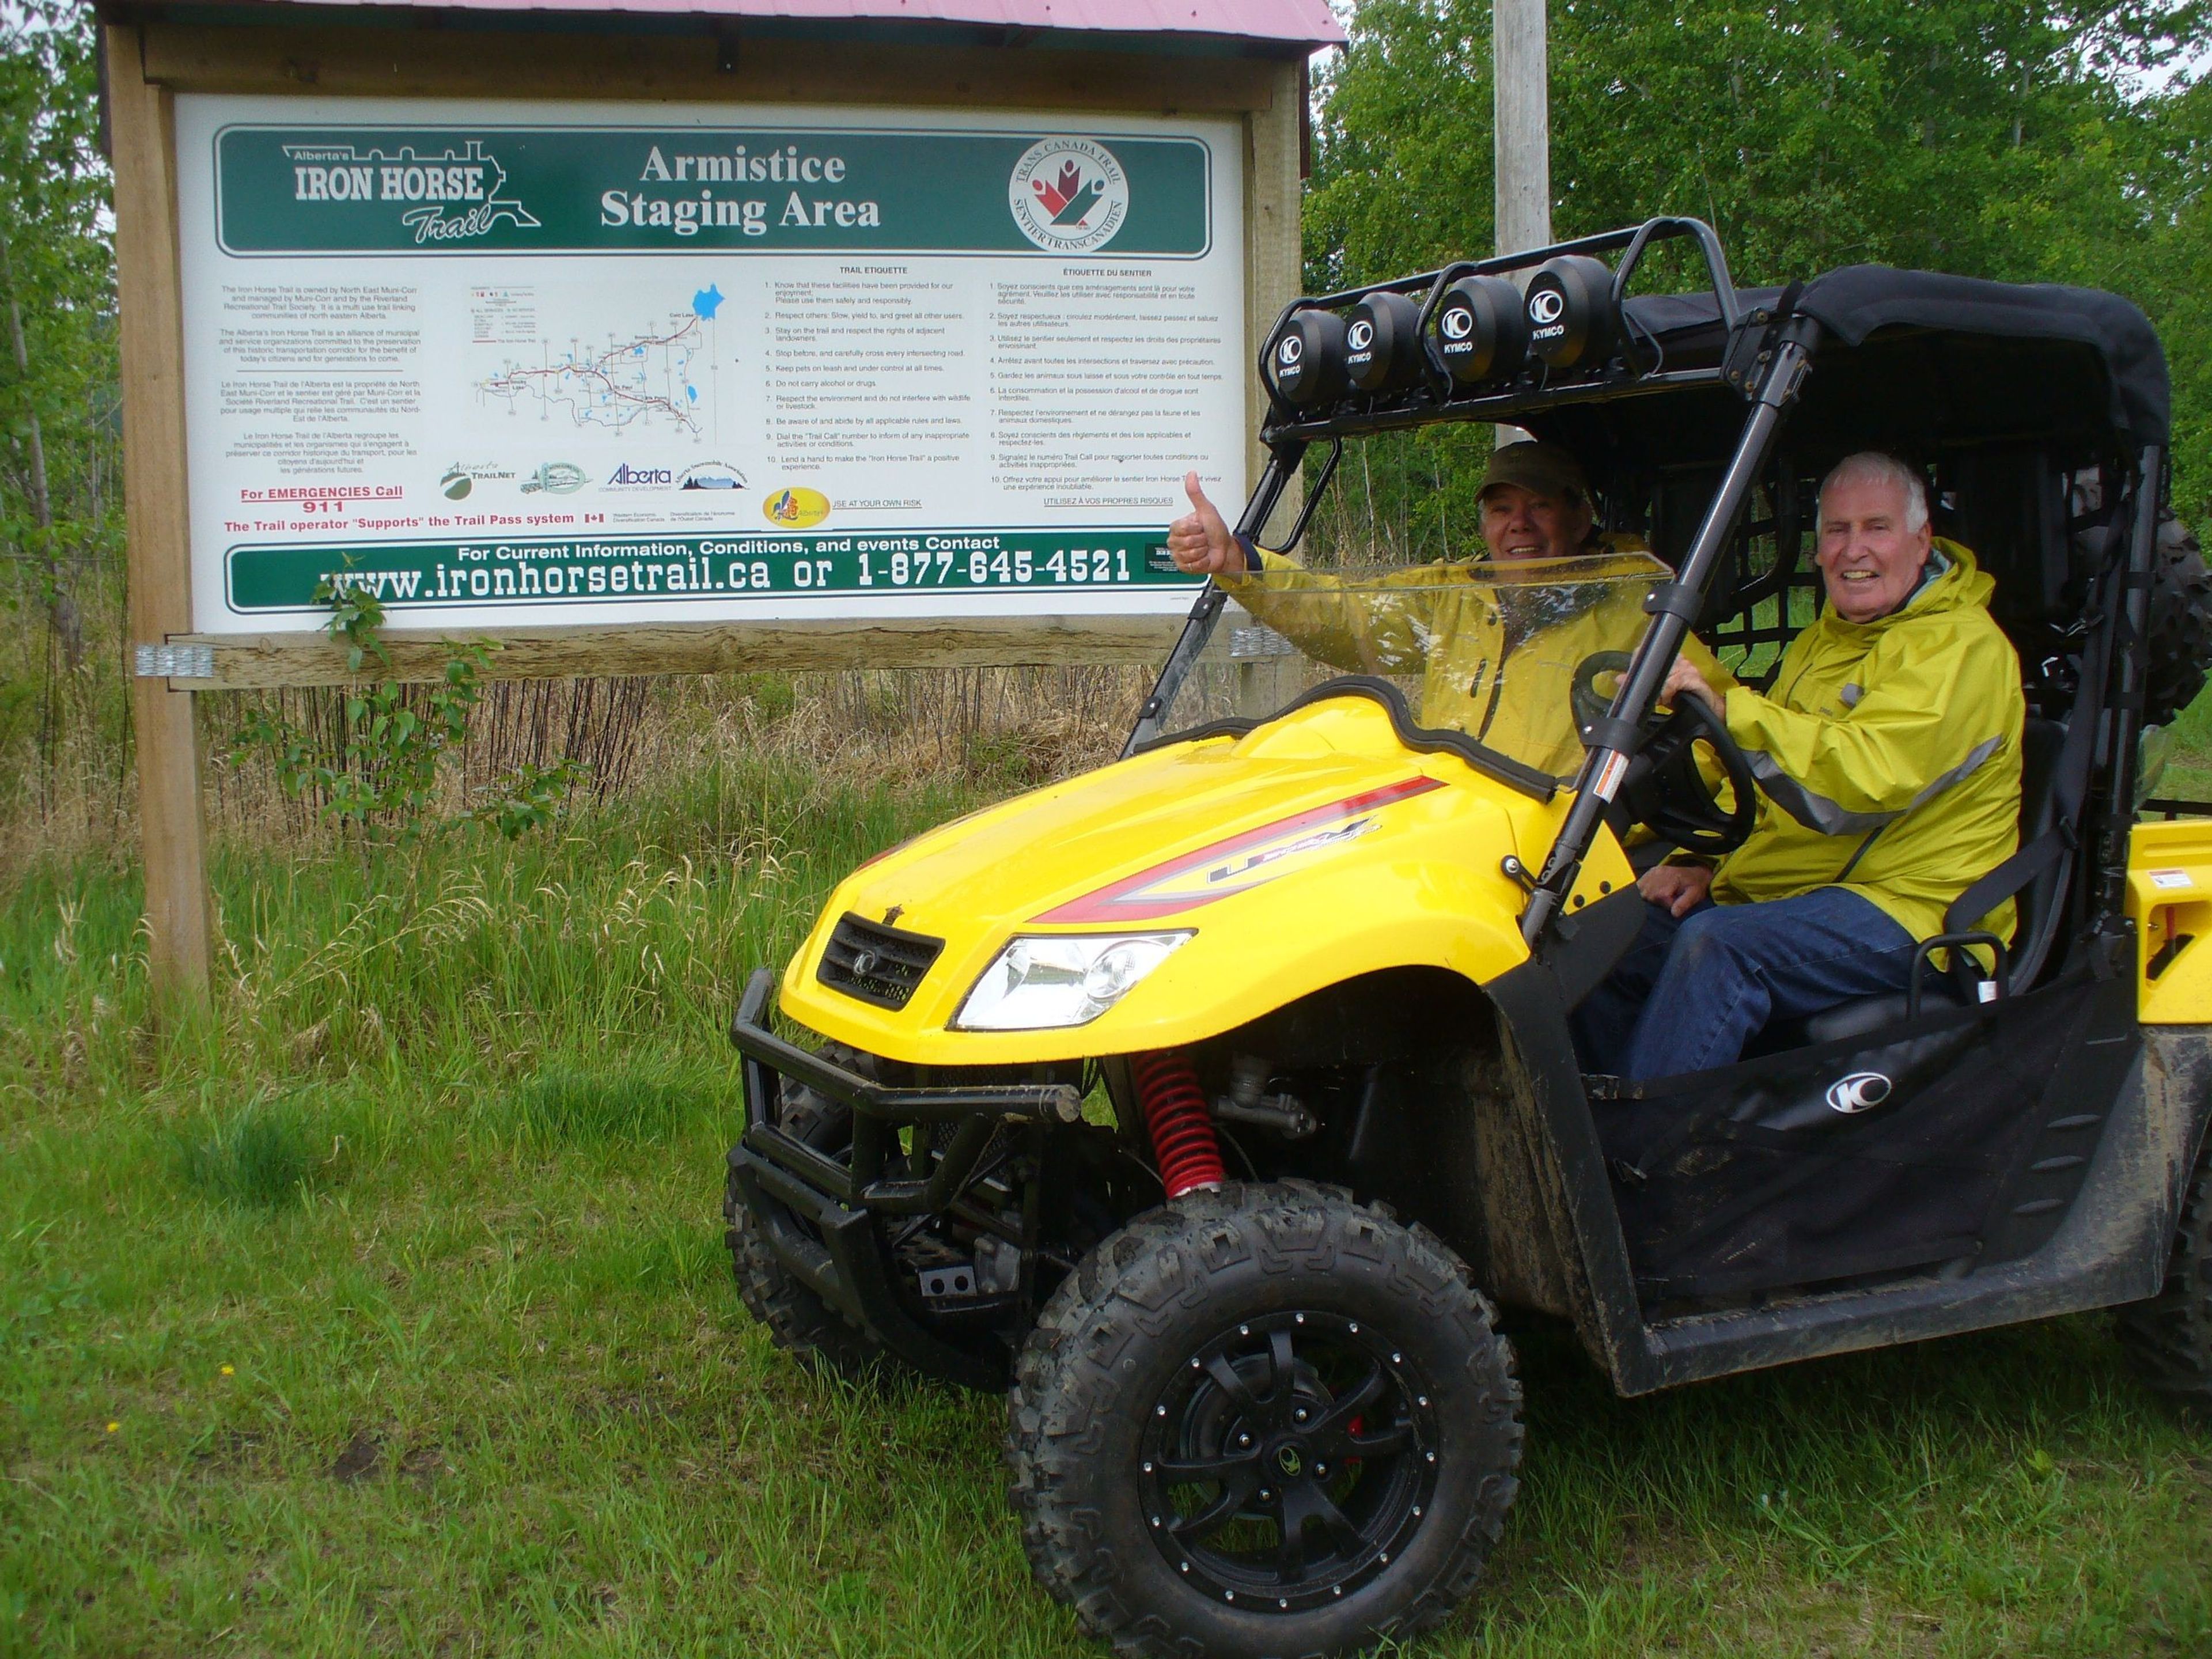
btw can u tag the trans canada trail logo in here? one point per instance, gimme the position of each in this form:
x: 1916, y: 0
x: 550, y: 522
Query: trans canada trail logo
x: 1069, y: 195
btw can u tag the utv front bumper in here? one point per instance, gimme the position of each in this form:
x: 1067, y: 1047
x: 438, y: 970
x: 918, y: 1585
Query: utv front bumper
x: 819, y: 1215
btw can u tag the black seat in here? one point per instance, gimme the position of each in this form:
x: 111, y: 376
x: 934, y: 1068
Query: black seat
x: 2037, y: 907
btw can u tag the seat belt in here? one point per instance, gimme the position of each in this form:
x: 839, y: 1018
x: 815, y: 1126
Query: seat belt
x: 2069, y: 787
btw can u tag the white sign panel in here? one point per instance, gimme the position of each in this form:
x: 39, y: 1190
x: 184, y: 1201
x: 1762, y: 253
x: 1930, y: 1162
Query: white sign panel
x: 516, y: 363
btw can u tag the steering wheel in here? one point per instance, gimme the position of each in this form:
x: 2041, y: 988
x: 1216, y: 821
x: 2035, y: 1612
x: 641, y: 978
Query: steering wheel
x: 1664, y: 789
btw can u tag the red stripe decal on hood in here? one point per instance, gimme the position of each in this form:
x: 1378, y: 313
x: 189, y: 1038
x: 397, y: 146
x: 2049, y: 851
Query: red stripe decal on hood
x: 1136, y: 898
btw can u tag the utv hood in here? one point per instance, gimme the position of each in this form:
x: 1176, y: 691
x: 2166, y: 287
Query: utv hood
x: 1311, y: 850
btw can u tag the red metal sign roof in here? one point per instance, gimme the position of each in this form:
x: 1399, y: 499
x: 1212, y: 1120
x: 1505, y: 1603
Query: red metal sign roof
x: 1305, y: 22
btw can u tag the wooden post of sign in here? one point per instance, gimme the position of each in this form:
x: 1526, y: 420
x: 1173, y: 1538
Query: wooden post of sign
x: 171, y: 827
x: 1520, y: 104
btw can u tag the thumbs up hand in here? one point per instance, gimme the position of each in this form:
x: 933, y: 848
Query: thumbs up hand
x: 1200, y: 541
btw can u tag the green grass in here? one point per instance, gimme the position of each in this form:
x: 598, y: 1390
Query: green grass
x: 386, y: 1312
x: 2189, y: 765
x: 266, y: 1153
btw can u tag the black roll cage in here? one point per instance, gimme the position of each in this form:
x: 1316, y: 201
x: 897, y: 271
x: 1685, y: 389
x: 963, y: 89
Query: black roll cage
x: 1767, y: 356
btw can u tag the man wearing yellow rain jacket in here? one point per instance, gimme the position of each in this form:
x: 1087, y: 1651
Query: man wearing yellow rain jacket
x: 1496, y: 642
x: 1887, y: 754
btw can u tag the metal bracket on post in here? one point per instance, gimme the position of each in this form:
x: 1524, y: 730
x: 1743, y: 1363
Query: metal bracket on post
x: 174, y: 662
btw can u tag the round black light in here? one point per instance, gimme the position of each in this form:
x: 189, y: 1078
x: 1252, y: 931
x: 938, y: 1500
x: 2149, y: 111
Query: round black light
x: 1571, y: 321
x: 1307, y: 357
x: 1481, y: 331
x: 1382, y: 343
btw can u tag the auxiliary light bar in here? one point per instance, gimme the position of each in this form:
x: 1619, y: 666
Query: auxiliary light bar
x: 1418, y: 348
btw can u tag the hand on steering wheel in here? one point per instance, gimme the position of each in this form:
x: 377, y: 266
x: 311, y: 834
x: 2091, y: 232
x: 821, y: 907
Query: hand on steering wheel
x: 1665, y: 790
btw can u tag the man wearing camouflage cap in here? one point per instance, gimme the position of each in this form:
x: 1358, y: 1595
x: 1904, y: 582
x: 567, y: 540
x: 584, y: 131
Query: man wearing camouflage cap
x: 1536, y: 504
x: 1496, y: 640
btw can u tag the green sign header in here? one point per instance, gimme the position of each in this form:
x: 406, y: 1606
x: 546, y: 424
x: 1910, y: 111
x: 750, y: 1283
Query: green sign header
x: 681, y: 189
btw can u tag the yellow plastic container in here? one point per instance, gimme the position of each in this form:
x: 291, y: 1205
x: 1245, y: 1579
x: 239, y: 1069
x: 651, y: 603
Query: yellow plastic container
x: 2170, y: 901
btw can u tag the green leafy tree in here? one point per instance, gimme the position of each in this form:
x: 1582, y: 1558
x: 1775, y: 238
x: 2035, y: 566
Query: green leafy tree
x: 2160, y: 256
x: 58, y: 378
x: 61, y: 520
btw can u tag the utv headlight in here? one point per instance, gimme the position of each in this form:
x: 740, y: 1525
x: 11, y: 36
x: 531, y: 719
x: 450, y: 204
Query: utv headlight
x: 1040, y: 982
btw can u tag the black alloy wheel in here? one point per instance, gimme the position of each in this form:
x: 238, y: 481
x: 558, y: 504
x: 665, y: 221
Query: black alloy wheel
x: 1263, y: 1421
x: 1289, y: 1459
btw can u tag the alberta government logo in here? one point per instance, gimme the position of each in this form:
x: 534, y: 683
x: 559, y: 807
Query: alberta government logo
x: 1069, y: 195
x: 626, y: 477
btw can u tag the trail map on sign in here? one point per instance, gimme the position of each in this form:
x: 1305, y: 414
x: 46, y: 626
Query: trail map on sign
x: 629, y: 382
x: 543, y: 364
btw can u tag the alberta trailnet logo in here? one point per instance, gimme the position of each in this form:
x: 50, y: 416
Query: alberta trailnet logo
x: 795, y: 506
x: 1069, y: 195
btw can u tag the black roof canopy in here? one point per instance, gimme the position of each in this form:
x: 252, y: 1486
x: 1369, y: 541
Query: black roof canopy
x: 1913, y: 360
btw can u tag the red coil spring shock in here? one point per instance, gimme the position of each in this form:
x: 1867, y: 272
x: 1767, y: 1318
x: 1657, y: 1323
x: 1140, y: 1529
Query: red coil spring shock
x: 1174, y: 1111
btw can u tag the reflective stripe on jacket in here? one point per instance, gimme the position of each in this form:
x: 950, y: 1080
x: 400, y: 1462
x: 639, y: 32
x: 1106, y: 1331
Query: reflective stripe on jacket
x: 1888, y: 755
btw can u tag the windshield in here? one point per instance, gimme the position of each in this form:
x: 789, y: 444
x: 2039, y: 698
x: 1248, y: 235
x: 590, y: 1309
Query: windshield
x: 1491, y: 650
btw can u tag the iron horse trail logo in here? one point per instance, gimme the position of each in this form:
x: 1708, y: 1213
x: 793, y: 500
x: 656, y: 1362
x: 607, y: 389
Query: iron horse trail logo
x: 1069, y: 195
x: 455, y: 196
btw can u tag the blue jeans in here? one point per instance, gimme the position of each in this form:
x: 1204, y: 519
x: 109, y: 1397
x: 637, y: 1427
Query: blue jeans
x: 1691, y: 992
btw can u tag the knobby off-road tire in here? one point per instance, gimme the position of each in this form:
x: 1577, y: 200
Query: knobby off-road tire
x: 2169, y: 1338
x: 1176, y: 1411
x: 2180, y: 648
x: 799, y: 1321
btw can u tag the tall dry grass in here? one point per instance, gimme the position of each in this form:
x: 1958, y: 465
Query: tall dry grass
x: 66, y: 780
x: 69, y: 790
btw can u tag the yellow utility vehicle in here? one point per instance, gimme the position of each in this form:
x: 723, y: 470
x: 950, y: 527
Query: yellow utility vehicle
x: 1212, y: 1101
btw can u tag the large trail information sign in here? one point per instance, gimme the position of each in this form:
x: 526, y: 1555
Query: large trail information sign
x: 510, y: 363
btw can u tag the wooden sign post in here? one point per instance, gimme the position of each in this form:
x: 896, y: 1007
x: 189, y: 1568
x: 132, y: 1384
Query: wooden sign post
x: 711, y: 338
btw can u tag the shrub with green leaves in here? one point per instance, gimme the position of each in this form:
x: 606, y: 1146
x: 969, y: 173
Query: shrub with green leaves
x: 382, y: 776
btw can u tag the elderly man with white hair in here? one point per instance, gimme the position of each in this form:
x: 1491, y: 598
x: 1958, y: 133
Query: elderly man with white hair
x: 1887, y: 752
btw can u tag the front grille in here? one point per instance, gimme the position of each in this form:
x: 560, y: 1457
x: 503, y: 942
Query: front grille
x: 876, y: 964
